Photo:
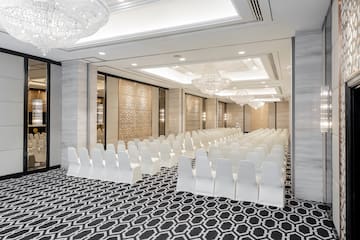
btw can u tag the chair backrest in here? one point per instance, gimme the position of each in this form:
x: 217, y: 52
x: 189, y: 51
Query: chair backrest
x: 200, y: 152
x: 165, y: 151
x: 121, y: 147
x: 223, y: 168
x: 215, y: 153
x: 97, y: 157
x: 133, y: 151
x: 246, y: 172
x: 177, y: 147
x: 271, y: 174
x: 110, y: 159
x: 110, y: 147
x: 254, y: 156
x: 72, y: 156
x: 124, y: 161
x: 101, y: 147
x: 84, y: 157
x: 184, y: 168
x: 146, y: 156
x: 203, y: 168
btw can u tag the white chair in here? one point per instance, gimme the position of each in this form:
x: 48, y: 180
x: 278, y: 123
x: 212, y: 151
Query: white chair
x: 204, y: 179
x: 256, y: 157
x: 100, y: 146
x: 214, y: 153
x: 166, y: 158
x: 73, y: 163
x: 110, y: 147
x: 121, y: 147
x: 133, y: 154
x: 128, y: 172
x: 111, y: 167
x: 185, y: 179
x: 85, y: 163
x: 246, y: 186
x: 200, y: 152
x: 224, y: 181
x: 149, y: 164
x: 98, y: 168
x: 271, y: 189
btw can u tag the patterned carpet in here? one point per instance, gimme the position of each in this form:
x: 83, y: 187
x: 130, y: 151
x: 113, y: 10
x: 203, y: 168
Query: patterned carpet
x: 53, y: 206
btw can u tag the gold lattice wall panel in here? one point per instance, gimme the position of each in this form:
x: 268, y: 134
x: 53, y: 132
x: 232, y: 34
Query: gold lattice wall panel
x: 193, y: 112
x: 135, y: 110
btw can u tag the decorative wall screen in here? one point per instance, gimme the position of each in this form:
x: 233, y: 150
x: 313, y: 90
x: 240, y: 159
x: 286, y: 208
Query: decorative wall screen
x: 193, y: 112
x: 135, y: 110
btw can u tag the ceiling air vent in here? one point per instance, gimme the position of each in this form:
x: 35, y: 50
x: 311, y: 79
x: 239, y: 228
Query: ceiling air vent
x: 256, y: 10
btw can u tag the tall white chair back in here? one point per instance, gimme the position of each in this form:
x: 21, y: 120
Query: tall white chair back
x: 98, y: 164
x: 85, y: 163
x: 121, y: 147
x: 110, y: 147
x: 204, y: 180
x: 271, y: 189
x: 73, y: 163
x: 246, y: 187
x: 224, y: 181
x: 185, y: 180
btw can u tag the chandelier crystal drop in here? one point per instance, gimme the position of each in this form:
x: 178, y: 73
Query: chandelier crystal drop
x: 49, y: 24
x: 211, y: 83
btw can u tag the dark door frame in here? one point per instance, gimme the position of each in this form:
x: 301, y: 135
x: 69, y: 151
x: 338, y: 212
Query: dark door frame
x: 352, y: 95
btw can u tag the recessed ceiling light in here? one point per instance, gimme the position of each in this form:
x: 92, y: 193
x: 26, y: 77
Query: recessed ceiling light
x: 175, y: 67
x: 241, y: 52
x: 134, y: 64
x: 102, y: 53
x: 182, y: 59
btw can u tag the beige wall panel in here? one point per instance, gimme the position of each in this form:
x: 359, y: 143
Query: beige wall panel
x: 235, y: 115
x: 259, y: 117
x: 211, y: 117
x: 135, y: 110
x: 193, y: 112
x: 271, y: 117
x: 282, y: 117
x: 112, y: 110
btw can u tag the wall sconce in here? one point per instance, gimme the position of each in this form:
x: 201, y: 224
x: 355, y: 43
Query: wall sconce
x: 203, y: 116
x: 226, y: 117
x: 162, y: 115
x: 325, y: 109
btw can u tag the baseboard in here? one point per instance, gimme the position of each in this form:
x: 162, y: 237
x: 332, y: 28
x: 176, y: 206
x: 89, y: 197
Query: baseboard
x: 18, y: 175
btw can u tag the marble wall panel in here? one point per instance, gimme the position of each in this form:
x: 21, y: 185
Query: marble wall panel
x: 308, y: 160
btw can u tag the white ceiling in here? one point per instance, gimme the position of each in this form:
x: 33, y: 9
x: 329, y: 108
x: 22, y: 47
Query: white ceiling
x: 135, y: 36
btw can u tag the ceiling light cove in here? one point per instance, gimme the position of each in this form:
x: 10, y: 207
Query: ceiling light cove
x: 162, y: 16
x: 171, y: 74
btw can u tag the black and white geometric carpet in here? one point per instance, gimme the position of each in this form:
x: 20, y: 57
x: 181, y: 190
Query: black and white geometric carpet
x: 53, y: 206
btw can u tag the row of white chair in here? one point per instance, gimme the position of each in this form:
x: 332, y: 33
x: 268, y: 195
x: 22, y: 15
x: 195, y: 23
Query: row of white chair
x: 243, y: 186
x: 105, y: 166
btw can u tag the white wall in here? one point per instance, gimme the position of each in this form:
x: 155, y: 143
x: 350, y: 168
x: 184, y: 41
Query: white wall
x: 11, y: 114
x: 55, y: 115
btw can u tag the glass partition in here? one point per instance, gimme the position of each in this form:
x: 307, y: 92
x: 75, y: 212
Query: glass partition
x: 37, y: 115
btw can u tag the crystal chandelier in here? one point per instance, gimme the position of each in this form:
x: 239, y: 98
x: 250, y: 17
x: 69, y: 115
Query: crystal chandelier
x: 241, y: 100
x: 211, y: 83
x: 49, y: 24
x: 256, y: 105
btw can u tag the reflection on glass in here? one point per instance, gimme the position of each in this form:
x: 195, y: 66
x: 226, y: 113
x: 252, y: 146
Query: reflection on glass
x: 100, y: 109
x: 37, y: 115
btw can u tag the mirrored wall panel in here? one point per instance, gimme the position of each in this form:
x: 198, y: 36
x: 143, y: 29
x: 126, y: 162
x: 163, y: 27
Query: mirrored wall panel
x: 37, y: 115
